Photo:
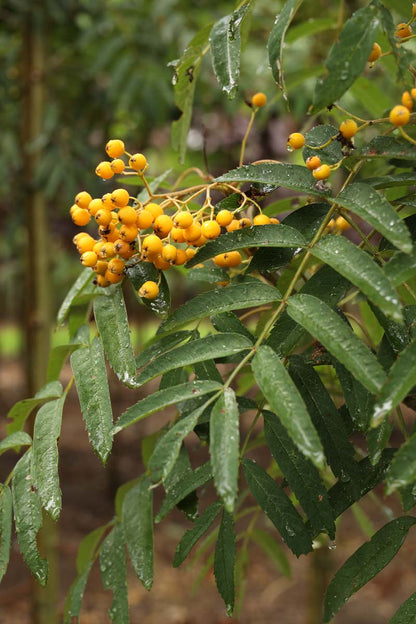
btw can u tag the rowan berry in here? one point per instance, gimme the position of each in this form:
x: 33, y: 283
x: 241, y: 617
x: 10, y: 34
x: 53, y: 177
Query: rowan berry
x: 199, y: 241
x: 152, y: 244
x: 403, y: 30
x: 348, y: 128
x: 261, y: 219
x: 106, y: 199
x: 118, y: 165
x: 149, y: 290
x: 138, y: 162
x: 107, y: 250
x: 89, y: 258
x: 313, y: 162
x: 259, y: 100
x: 103, y: 216
x: 413, y: 93
x: 83, y: 199
x: 154, y: 209
x: 102, y: 281
x: 124, y: 248
x: 114, y: 148
x: 80, y: 216
x: 108, y: 232
x: 128, y: 233
x: 113, y: 278
x: 322, y: 173
x: 183, y: 219
x: 161, y: 264
x: 190, y: 252
x: 224, y: 217
x: 233, y: 225
x: 414, y: 9
x: 120, y: 198
x: 245, y: 222
x: 228, y: 259
x: 127, y: 216
x: 407, y: 100
x: 211, y: 229
x: 181, y: 257
x: 104, y: 171
x: 85, y: 243
x: 169, y: 253
x: 399, y: 115
x: 116, y: 265
x: 296, y: 140
x: 375, y: 53
x: 162, y: 225
x: 341, y: 224
x: 274, y: 220
x: 144, y: 219
x: 101, y: 267
x: 193, y: 232
x: 176, y: 235
x: 94, y: 206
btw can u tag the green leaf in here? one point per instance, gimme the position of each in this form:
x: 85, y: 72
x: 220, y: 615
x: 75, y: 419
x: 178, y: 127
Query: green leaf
x: 365, y: 563
x: 377, y: 439
x: 275, y: 43
x: 181, y: 470
x: 114, y: 574
x: 401, y: 268
x: 357, y: 399
x: 113, y: 325
x: 45, y: 456
x: 5, y: 527
x: 336, y: 336
x: 15, y: 440
x: 401, y: 379
x: 57, y: 357
x: 284, y: 399
x: 373, y: 99
x: 21, y: 410
x: 272, y: 549
x: 191, y: 536
x: 387, y: 147
x: 348, y: 56
x: 28, y: 517
x: 319, y: 135
x: 390, y: 181
x: 217, y: 345
x: 163, y: 398
x: 301, y: 474
x: 137, y: 521
x: 139, y: 273
x: 225, y: 551
x: 225, y: 42
x: 309, y: 27
x: 361, y: 270
x: 278, y: 508
x: 406, y: 613
x: 403, y: 468
x: 229, y: 322
x: 364, y: 201
x: 76, y: 289
x: 88, y: 366
x: 186, y: 74
x: 233, y: 297
x: 88, y: 547
x: 161, y: 345
x: 224, y: 447
x: 211, y: 274
x: 73, y: 600
x: 190, y: 481
x: 294, y: 177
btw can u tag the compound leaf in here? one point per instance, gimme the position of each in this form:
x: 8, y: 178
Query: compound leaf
x: 403, y: 467
x: 224, y: 561
x: 275, y: 43
x: 137, y: 521
x: 114, y: 574
x: 5, y: 527
x: 191, y: 536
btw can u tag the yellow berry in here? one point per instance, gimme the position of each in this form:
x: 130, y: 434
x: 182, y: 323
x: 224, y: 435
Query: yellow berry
x: 414, y: 9
x: 114, y: 148
x: 399, y: 115
x: 102, y: 281
x: 83, y: 199
x: 80, y: 216
x: 348, y: 128
x: 233, y: 225
x: 296, y: 140
x: 259, y: 99
x: 144, y: 219
x: 193, y: 232
x: 120, y: 198
x: 128, y: 233
x: 189, y: 253
x: 224, y: 217
x: 103, y: 216
x: 117, y: 165
x: 152, y: 244
x: 261, y: 219
x: 106, y: 199
x: 181, y: 257
x: 169, y: 253
x: 375, y: 53
x: 321, y: 173
x: 107, y: 250
x: 113, y: 278
x: 104, y: 171
x: 161, y: 264
x: 228, y: 259
x: 274, y: 220
x: 127, y: 216
x: 85, y: 243
x: 211, y: 229
x: 124, y: 248
x: 162, y: 225
x: 413, y: 93
x: 149, y: 290
x: 183, y: 219
x: 89, y: 258
x: 101, y: 267
x: 94, y: 206
x: 407, y: 100
x: 341, y: 224
x: 154, y: 209
x: 245, y: 222
x: 176, y: 235
x: 199, y: 241
x: 403, y: 30
x: 313, y: 162
x: 138, y: 162
x: 116, y: 265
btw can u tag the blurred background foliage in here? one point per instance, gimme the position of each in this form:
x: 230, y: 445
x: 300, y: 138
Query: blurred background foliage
x: 106, y: 74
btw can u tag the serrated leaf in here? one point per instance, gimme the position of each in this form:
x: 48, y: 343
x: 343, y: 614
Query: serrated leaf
x: 113, y: 325
x: 365, y: 563
x: 217, y: 345
x: 294, y: 177
x: 211, y: 274
x: 168, y: 446
x: 284, y: 399
x: 139, y: 273
x: 357, y: 399
x: 301, y: 474
x: 390, y: 181
x: 229, y: 322
x: 278, y: 508
x: 348, y: 56
x: 163, y: 398
x: 114, y: 574
x: 88, y: 366
x: 57, y: 357
x: 186, y: 75
x: 364, y: 201
x: 225, y: 42
x: 336, y: 336
x: 191, y: 536
x: 161, y: 345
x: 401, y: 379
x: 403, y: 467
x: 224, y: 561
x: 87, y: 548
x: 47, y: 429
x: 320, y: 135
x: 401, y: 268
x: 387, y: 147
x: 377, y: 439
x: 224, y: 447
x: 233, y: 297
x: 361, y: 270
x: 181, y: 469
x: 15, y: 440
x: 28, y: 518
x: 73, y: 600
x: 275, y: 43
x: 272, y: 549
x: 406, y: 613
x: 5, y: 527
x: 137, y: 521
x: 76, y: 289
x: 190, y: 481
x: 21, y: 410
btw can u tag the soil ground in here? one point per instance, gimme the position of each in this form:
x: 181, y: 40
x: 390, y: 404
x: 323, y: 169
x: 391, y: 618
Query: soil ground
x: 88, y: 491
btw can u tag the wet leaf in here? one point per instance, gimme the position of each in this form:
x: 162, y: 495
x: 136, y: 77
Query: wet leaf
x: 190, y: 538
x: 114, y: 574
x: 5, y: 527
x: 319, y: 135
x: 190, y: 481
x: 137, y: 522
x: 403, y: 467
x: 406, y: 613
x: 21, y: 410
x: 15, y: 440
x: 275, y: 43
x: 401, y: 268
x: 224, y: 561
x: 80, y: 284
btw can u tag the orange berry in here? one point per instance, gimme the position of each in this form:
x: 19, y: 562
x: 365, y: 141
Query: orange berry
x: 375, y: 53
x: 162, y: 225
x: 224, y: 217
x: 114, y: 148
x: 161, y: 264
x: 199, y: 241
x: 113, y: 278
x: 313, y: 162
x: 403, y: 30
x: 183, y: 219
x: 149, y: 290
x: 413, y: 93
x: 190, y: 252
x: 211, y: 229
x: 348, y: 128
x: 152, y: 244
x: 80, y: 216
x: 228, y: 259
x: 104, y: 171
x: 341, y: 224
x: 176, y: 235
x: 233, y: 225
x: 83, y: 199
x: 124, y: 248
x: 127, y: 216
x: 89, y: 258
x: 154, y: 209
x: 116, y: 265
x: 259, y: 100
x: 101, y: 267
x: 322, y: 173
x: 102, y: 281
x: 107, y: 250
x: 407, y: 100
x: 399, y: 115
x: 261, y: 219
x: 296, y: 140
x: 181, y: 257
x: 94, y: 206
x: 144, y: 219
x: 85, y: 243
x: 103, y: 216
x: 106, y: 199
x: 128, y: 233
x: 120, y: 198
x: 118, y: 165
x: 193, y: 232
x: 169, y: 253
x: 245, y: 222
x: 274, y: 220
x: 138, y: 162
